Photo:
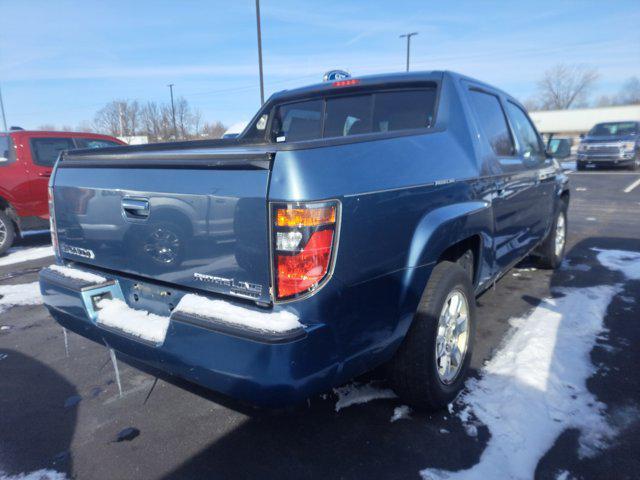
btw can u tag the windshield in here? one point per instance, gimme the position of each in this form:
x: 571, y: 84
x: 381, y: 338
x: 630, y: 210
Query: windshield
x: 615, y: 129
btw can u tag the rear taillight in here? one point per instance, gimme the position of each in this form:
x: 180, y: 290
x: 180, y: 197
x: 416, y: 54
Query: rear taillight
x: 52, y: 223
x: 304, y: 238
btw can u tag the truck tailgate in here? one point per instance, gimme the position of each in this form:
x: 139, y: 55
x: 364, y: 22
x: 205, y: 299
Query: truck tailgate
x: 195, y: 219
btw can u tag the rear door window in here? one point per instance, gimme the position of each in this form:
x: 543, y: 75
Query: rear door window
x: 45, y: 151
x: 94, y: 143
x: 492, y: 122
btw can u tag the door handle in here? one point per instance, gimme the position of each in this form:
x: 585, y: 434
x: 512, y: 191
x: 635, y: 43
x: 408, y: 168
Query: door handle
x: 135, y: 207
x: 44, y: 174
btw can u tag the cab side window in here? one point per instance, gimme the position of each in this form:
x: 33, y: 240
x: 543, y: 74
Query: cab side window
x: 492, y: 122
x: 533, y: 154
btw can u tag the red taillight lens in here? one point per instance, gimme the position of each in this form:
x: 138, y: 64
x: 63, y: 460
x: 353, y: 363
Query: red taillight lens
x: 304, y: 238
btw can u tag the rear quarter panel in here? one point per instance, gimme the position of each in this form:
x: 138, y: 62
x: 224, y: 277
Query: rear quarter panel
x: 404, y: 199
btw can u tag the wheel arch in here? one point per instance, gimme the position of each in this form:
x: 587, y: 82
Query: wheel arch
x: 445, y: 234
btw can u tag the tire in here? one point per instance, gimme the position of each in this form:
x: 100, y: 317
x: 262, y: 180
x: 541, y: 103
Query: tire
x: 549, y: 256
x: 7, y: 232
x: 414, y: 371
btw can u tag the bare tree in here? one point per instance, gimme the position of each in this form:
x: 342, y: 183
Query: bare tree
x: 630, y: 92
x: 565, y: 86
x: 86, y: 126
x: 47, y: 127
x: 120, y: 117
x: 124, y: 117
x: 213, y: 130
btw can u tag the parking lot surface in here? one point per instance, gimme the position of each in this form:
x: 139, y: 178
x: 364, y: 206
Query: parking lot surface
x: 554, y: 394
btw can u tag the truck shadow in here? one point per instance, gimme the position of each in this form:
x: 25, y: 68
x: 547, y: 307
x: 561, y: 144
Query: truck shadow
x: 361, y: 442
x: 38, y: 415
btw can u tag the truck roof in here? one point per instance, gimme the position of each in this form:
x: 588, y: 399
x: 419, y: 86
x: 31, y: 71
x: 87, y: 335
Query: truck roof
x: 377, y: 81
x: 55, y: 132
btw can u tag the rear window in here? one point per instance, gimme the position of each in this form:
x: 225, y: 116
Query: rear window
x: 342, y: 116
x: 298, y: 121
x: 94, y: 143
x: 46, y: 150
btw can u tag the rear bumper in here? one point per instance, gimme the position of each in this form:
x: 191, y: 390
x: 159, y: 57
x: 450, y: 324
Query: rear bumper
x: 262, y: 369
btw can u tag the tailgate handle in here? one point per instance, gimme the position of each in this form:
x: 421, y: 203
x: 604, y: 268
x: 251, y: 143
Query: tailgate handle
x: 135, y: 207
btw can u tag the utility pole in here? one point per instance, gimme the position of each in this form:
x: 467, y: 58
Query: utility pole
x: 408, y: 37
x: 4, y: 117
x: 173, y: 113
x: 260, y: 52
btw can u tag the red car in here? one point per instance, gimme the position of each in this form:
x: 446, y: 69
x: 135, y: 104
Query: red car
x: 26, y: 162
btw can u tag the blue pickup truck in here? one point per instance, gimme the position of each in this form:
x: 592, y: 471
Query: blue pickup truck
x: 350, y: 226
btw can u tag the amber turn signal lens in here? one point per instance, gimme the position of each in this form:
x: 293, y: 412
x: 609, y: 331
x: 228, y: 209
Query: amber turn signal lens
x: 305, y: 217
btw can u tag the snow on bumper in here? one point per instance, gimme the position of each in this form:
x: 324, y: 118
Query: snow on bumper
x: 266, y: 358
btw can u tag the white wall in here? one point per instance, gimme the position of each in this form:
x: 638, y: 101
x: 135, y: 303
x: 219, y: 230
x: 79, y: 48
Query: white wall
x: 580, y: 120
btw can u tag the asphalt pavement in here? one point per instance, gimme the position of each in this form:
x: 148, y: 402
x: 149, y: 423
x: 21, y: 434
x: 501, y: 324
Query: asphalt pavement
x: 60, y: 408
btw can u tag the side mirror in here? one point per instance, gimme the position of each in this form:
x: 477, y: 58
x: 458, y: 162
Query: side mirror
x: 581, y: 136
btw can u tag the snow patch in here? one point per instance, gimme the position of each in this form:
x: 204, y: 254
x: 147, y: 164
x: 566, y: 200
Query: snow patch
x: 267, y: 321
x: 77, y: 274
x: 534, y: 388
x: 117, y: 314
x: 356, y: 393
x: 626, y: 262
x: 37, y: 475
x: 18, y: 255
x: 401, y: 412
x: 22, y: 294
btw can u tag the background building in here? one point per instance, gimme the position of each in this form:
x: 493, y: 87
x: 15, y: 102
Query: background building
x: 572, y: 123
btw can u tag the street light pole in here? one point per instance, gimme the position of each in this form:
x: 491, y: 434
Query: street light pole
x: 173, y: 113
x: 4, y: 118
x: 408, y: 37
x: 260, y: 52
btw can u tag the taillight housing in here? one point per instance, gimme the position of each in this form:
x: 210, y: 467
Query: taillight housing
x: 304, y: 242
x: 52, y: 223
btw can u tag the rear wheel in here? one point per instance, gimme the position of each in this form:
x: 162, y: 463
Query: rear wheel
x: 552, y: 249
x: 7, y: 232
x: 432, y: 364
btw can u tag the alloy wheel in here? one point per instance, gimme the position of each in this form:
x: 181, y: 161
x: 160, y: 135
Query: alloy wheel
x: 452, y: 337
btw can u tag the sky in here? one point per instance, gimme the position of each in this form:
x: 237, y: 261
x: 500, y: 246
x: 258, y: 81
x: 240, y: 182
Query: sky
x: 61, y: 61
